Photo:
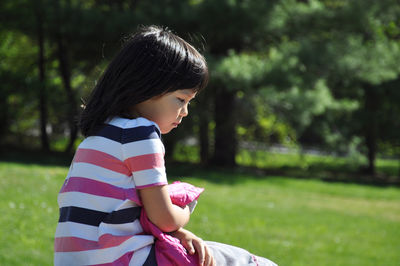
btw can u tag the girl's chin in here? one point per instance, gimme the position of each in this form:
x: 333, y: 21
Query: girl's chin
x: 166, y: 131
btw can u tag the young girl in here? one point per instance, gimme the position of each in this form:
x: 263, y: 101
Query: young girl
x: 119, y: 167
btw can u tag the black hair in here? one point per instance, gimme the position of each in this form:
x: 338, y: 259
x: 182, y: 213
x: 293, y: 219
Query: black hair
x: 152, y: 62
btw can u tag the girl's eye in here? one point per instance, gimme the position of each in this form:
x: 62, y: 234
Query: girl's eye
x: 181, y: 100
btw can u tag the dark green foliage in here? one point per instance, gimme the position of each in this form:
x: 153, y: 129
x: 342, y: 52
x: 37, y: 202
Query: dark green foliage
x: 316, y: 73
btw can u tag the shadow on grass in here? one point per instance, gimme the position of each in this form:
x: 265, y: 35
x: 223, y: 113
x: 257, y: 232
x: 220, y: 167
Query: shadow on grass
x: 219, y: 175
x: 25, y: 156
x: 240, y: 173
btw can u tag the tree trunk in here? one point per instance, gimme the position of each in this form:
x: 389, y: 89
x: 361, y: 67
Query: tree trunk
x: 204, y: 111
x: 225, y: 146
x: 399, y: 168
x: 371, y: 145
x: 169, y: 142
x: 65, y: 71
x: 371, y: 126
x: 71, y: 101
x: 42, y: 76
x: 204, y: 140
x: 4, y: 112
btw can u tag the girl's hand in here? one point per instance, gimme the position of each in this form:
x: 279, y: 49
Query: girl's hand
x: 194, y: 244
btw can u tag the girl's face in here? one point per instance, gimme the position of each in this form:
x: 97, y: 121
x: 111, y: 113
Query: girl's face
x: 167, y: 110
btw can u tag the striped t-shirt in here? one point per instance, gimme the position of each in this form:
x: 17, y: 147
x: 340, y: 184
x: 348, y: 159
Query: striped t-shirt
x: 99, y: 208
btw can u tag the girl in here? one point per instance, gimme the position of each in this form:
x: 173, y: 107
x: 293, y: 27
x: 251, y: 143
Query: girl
x: 119, y: 167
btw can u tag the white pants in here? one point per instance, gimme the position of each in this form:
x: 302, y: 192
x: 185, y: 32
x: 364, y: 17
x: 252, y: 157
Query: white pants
x: 233, y: 256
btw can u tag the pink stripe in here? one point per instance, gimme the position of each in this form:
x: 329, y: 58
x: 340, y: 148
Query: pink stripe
x: 70, y: 244
x: 93, y: 187
x: 152, y: 185
x: 124, y: 260
x: 144, y: 162
x: 108, y: 240
x: 101, y: 159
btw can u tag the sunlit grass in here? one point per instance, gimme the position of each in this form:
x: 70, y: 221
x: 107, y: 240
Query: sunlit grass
x: 301, y: 222
x: 291, y: 221
x: 29, y: 212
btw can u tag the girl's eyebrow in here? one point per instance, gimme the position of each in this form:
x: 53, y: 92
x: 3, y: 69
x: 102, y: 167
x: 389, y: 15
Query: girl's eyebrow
x: 189, y: 94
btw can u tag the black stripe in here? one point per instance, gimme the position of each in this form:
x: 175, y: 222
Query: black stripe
x: 151, y: 259
x: 81, y: 215
x: 129, y: 134
x: 110, y: 132
x: 123, y: 216
x: 91, y: 217
x: 140, y: 133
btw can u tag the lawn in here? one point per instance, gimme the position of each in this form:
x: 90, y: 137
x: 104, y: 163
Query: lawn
x: 291, y: 221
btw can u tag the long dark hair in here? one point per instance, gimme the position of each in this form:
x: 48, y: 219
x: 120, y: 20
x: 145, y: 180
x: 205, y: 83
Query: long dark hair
x: 152, y: 62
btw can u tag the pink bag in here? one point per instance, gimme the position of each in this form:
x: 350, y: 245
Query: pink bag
x: 168, y: 249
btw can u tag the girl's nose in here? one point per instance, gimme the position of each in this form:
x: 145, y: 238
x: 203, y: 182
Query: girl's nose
x: 184, y: 110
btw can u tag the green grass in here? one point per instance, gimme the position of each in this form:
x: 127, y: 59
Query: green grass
x: 290, y: 221
x: 29, y: 212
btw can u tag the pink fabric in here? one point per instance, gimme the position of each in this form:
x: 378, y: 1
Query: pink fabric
x: 146, y: 161
x: 71, y: 244
x: 93, y: 187
x: 101, y: 159
x: 169, y: 251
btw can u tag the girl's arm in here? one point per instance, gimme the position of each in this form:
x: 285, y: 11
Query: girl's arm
x: 160, y: 210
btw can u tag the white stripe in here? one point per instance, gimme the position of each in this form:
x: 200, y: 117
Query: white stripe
x: 126, y: 204
x: 88, y: 201
x: 100, y: 256
x: 142, y: 147
x: 71, y: 229
x: 125, y: 229
x: 150, y: 176
x: 101, y: 174
x: 102, y: 144
x: 139, y: 256
x: 131, y: 123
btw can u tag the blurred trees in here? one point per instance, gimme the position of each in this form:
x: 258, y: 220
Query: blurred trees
x: 321, y: 73
x: 354, y: 47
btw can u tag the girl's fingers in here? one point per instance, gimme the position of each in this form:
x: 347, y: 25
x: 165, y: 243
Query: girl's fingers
x: 191, y: 248
x: 199, y: 246
x: 212, y: 260
x: 188, y: 245
x: 207, y: 258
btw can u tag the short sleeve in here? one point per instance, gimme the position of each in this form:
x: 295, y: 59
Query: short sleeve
x: 143, y: 153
